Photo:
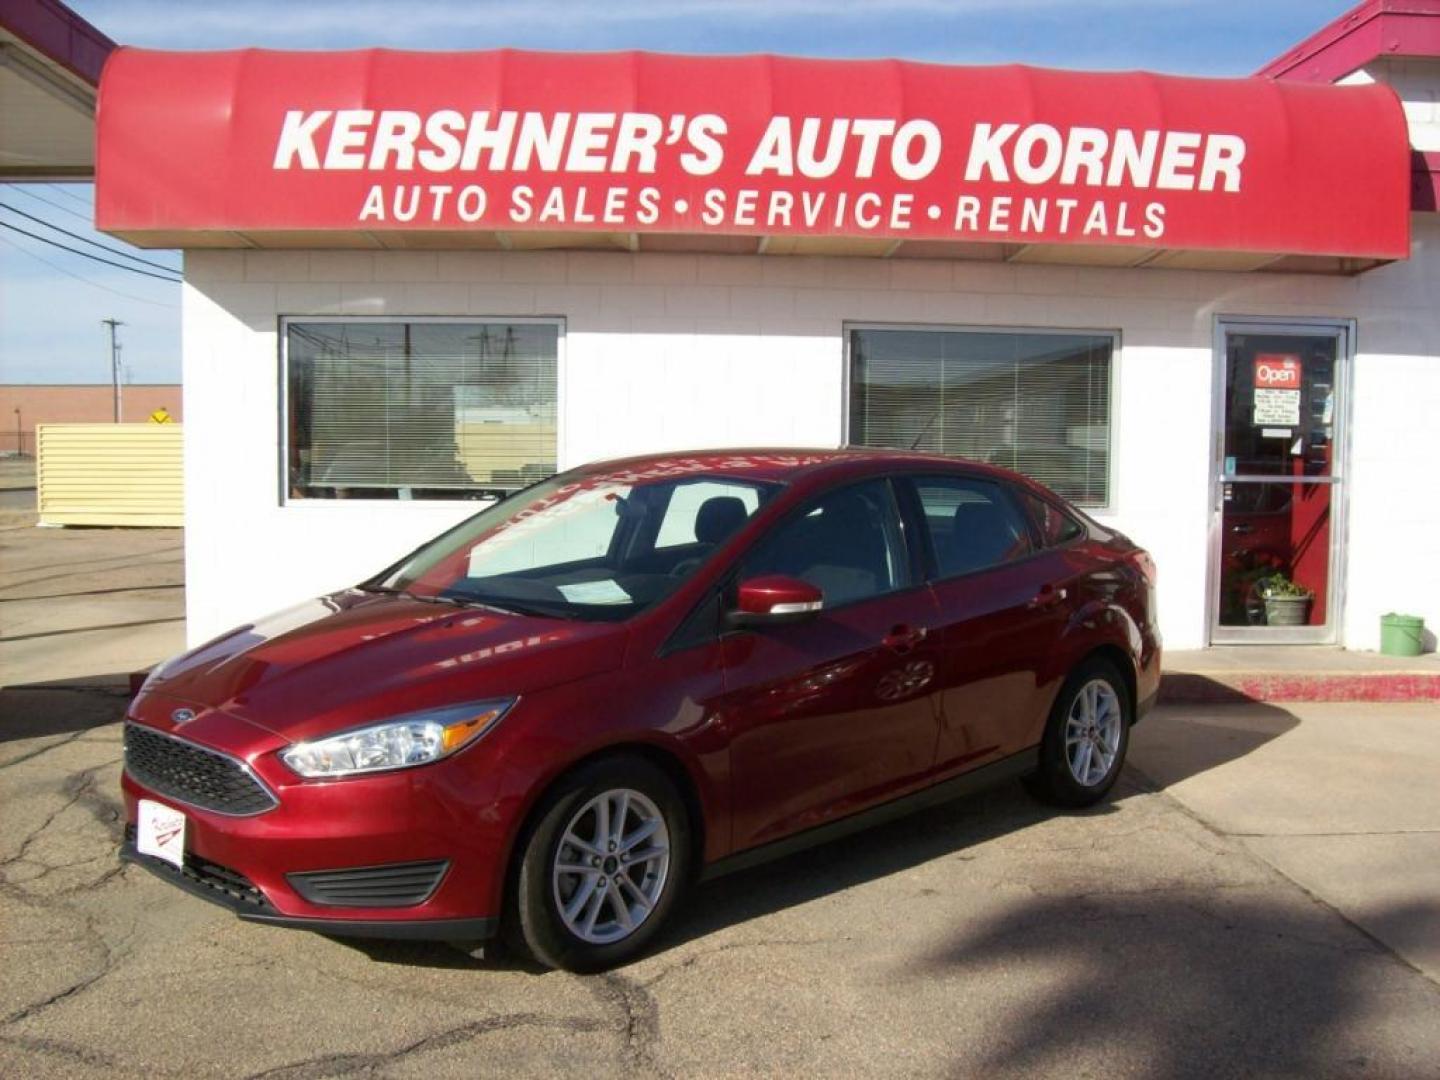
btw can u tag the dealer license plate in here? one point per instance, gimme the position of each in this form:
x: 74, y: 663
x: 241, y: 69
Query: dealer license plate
x: 160, y: 831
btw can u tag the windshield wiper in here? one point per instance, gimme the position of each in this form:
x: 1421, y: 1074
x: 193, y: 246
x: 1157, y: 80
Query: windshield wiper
x: 390, y: 590
x: 509, y: 607
x: 504, y: 606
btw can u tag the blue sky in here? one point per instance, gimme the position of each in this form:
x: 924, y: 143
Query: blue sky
x: 50, y: 310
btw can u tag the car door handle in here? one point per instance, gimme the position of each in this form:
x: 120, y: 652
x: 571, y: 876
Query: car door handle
x: 1242, y: 528
x: 1048, y: 597
x: 902, y: 638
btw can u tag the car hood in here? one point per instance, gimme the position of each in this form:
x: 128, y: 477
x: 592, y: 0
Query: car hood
x: 354, y: 657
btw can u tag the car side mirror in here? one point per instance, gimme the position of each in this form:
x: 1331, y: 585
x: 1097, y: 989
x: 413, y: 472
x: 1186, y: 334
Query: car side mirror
x: 773, y: 600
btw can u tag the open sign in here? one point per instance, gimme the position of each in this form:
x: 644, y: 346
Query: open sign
x: 1277, y: 371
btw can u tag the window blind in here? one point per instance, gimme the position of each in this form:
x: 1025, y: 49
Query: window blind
x: 419, y: 409
x: 1038, y: 403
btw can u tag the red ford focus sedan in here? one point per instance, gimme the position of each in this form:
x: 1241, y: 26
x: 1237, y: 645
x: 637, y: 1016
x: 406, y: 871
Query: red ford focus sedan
x: 555, y: 716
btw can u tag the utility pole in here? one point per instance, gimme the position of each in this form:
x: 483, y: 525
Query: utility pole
x: 113, y: 324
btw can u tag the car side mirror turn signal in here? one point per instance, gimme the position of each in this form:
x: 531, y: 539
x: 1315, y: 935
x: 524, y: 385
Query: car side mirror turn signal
x: 773, y: 600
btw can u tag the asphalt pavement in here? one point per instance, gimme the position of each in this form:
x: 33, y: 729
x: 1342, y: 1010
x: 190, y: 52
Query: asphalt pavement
x: 1240, y: 907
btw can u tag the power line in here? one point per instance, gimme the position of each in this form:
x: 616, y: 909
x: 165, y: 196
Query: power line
x: 85, y: 240
x: 63, y: 189
x: 80, y: 277
x: 28, y: 189
x: 86, y: 254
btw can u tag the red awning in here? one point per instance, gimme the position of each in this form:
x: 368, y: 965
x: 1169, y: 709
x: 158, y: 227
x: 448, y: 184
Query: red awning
x: 378, y: 148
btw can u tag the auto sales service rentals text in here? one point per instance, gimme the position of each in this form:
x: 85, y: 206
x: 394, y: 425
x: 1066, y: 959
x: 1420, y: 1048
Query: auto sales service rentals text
x: 413, y: 278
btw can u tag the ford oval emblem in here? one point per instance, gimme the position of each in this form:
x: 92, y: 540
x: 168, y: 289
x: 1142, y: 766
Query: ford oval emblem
x: 182, y: 716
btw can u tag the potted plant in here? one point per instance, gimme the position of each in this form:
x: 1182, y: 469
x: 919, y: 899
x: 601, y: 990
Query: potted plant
x: 1287, y: 603
x: 1244, y: 606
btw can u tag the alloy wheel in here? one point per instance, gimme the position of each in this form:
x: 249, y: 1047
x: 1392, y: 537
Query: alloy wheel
x: 1092, y: 732
x: 611, y: 866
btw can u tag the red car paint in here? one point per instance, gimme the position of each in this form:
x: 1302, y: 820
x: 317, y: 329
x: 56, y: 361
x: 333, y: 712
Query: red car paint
x: 771, y: 732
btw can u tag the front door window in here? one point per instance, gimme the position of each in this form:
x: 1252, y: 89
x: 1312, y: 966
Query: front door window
x: 848, y: 545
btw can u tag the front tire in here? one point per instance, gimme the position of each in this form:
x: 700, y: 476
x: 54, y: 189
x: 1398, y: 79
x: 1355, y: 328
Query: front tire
x: 602, y: 866
x: 1086, y: 738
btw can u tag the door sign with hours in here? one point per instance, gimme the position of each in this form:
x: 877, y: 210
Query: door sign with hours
x: 1277, y: 408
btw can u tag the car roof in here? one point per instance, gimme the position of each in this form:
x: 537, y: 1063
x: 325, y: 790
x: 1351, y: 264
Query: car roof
x: 784, y: 464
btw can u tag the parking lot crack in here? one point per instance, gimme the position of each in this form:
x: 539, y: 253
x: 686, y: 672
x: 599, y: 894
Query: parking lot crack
x: 639, y: 1021
x: 79, y: 789
x: 110, y: 957
x: 330, y: 1065
x: 54, y: 999
x: 704, y: 954
x: 78, y: 1054
x: 75, y: 787
x: 39, y: 750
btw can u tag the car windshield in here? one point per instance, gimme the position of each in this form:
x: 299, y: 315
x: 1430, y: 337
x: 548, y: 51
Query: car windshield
x: 597, y: 547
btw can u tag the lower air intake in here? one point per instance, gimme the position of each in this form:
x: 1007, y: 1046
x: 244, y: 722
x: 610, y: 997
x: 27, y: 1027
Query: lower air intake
x: 395, y: 885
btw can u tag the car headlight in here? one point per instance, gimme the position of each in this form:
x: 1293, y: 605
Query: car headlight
x: 415, y: 739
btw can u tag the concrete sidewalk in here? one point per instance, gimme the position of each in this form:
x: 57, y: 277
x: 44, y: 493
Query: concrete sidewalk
x: 1341, y: 799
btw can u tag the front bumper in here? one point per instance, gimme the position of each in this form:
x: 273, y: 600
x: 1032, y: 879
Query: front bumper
x: 264, y: 866
x: 198, y: 882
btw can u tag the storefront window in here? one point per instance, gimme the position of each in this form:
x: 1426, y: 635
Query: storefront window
x: 419, y: 410
x: 1034, y: 401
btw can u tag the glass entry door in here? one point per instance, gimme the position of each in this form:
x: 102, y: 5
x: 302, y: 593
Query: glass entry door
x: 1277, y: 482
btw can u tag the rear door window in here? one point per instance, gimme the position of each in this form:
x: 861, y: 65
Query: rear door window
x: 1055, y: 526
x: 972, y: 524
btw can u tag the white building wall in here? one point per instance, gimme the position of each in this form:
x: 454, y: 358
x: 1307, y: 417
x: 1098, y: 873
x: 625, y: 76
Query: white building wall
x: 1416, y: 81
x: 684, y: 351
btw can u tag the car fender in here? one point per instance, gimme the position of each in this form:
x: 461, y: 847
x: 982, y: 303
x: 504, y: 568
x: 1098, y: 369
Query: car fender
x: 589, y: 719
x: 1093, y: 625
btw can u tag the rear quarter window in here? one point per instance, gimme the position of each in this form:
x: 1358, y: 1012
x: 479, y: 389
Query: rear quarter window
x: 1055, y: 526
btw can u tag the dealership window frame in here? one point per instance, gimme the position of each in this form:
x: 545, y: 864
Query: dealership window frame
x: 488, y: 496
x: 1112, y: 383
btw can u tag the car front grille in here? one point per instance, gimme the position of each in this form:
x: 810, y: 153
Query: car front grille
x: 192, y: 774
x: 395, y: 885
x: 219, y: 879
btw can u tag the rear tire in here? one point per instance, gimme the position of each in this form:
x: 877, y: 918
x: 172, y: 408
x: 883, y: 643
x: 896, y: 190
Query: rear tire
x: 602, y: 865
x: 1086, y: 738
